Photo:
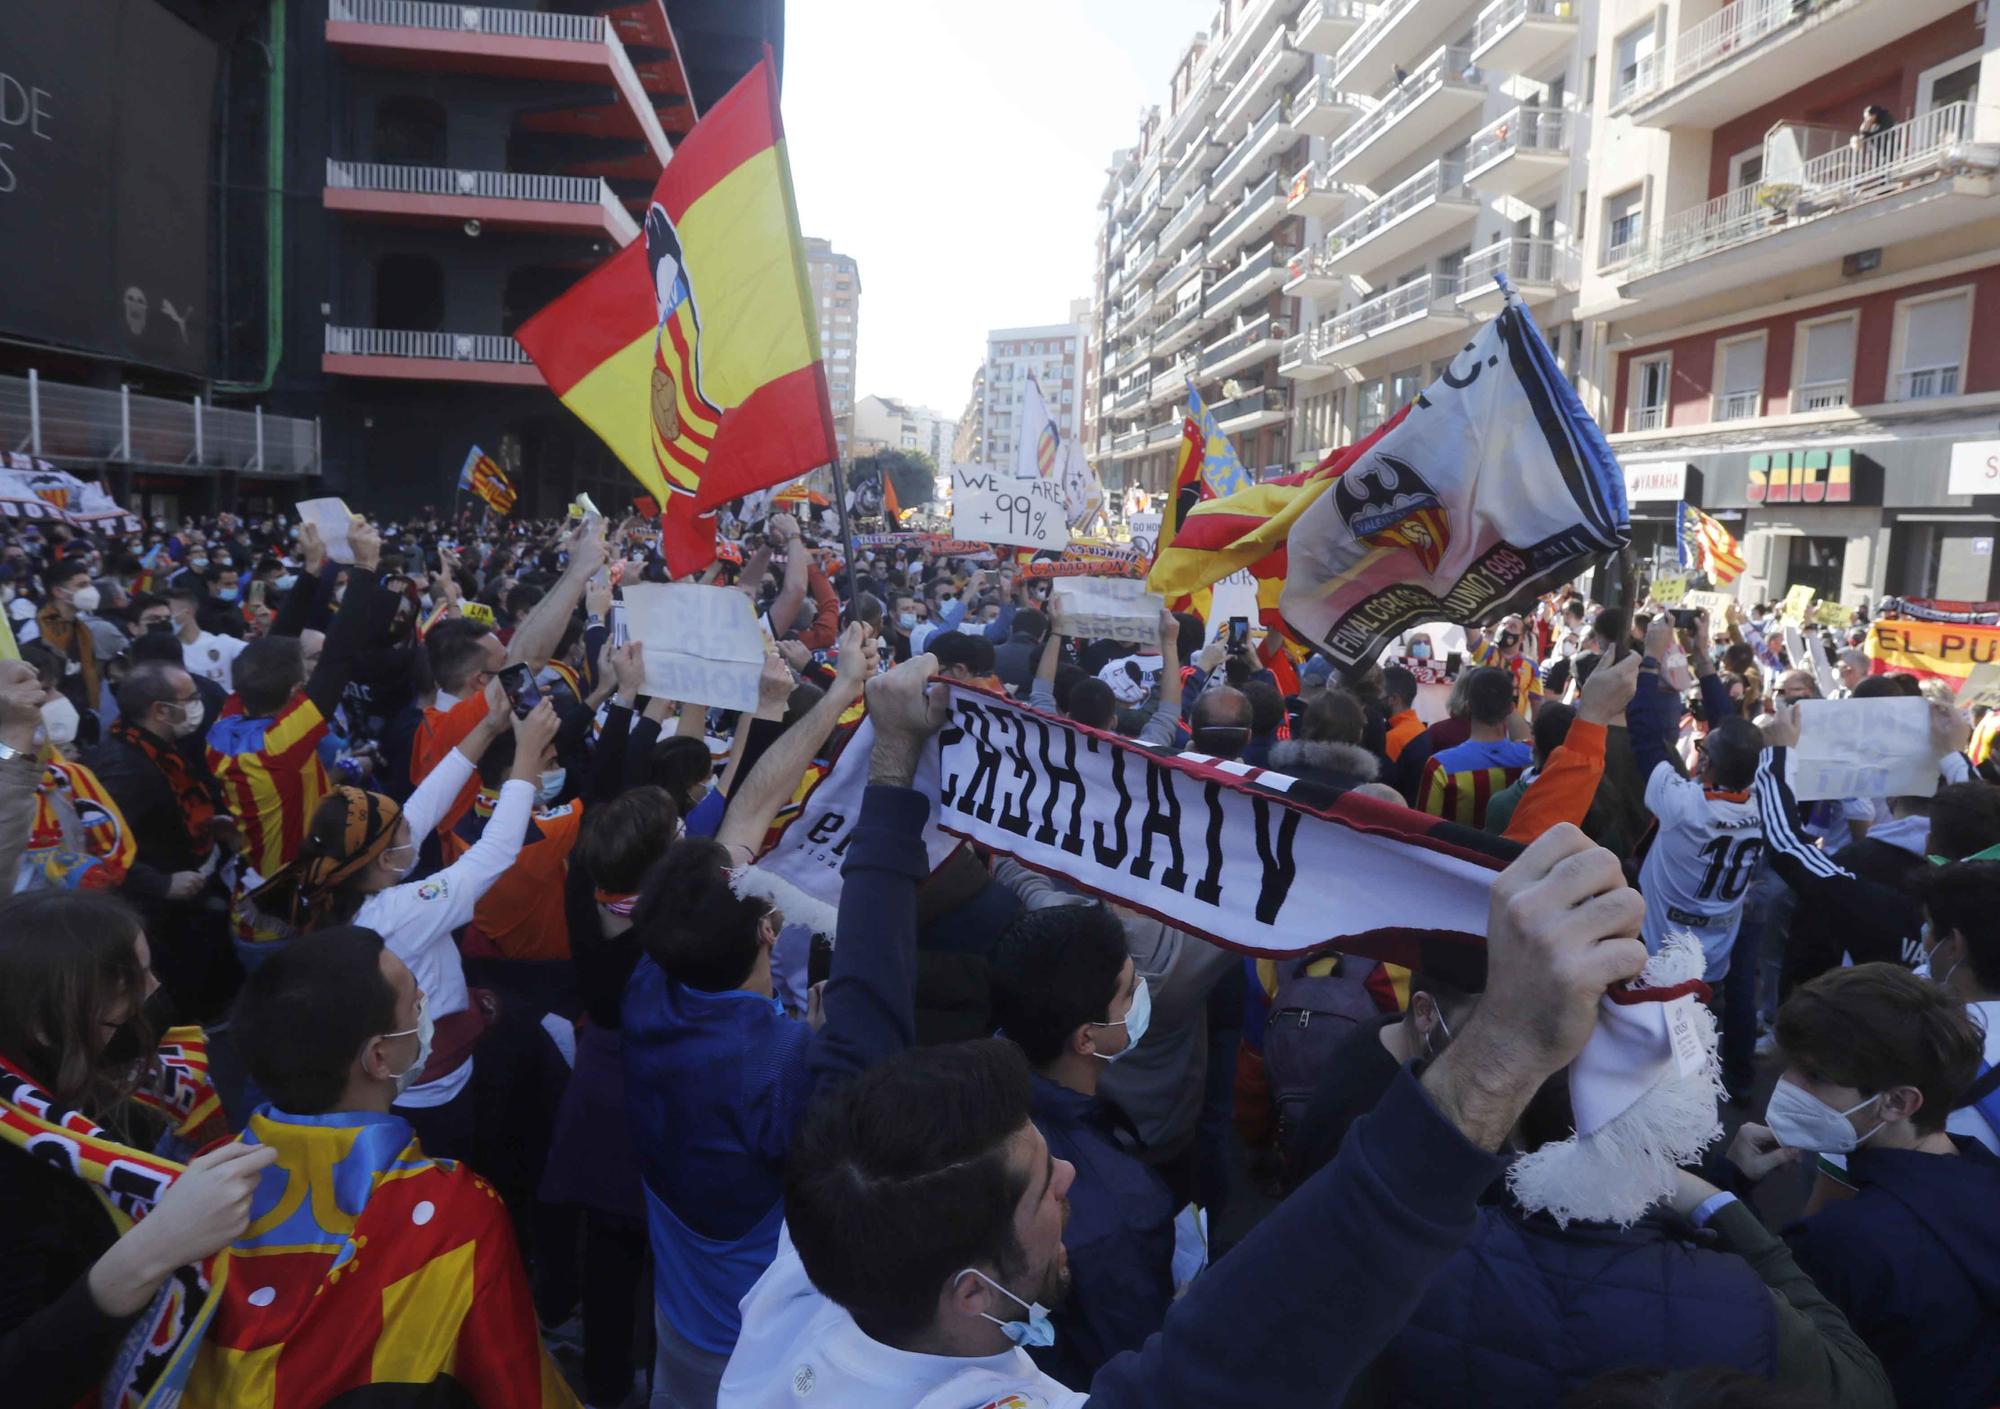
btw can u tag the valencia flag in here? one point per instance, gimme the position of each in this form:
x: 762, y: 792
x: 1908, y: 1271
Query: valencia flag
x: 694, y: 351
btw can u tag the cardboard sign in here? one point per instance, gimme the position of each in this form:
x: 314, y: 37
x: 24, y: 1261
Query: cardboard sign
x: 1668, y: 590
x: 1981, y: 687
x: 1145, y: 530
x: 1863, y: 748
x: 702, y: 645
x: 333, y: 519
x: 1798, y: 604
x: 1119, y: 608
x: 1716, y: 604
x: 1023, y: 513
x: 1834, y: 614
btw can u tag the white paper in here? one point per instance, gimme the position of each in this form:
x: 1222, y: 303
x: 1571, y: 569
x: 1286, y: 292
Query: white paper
x: 333, y: 519
x: 701, y: 645
x: 1024, y: 513
x: 1119, y: 608
x: 1863, y: 748
x: 1981, y: 687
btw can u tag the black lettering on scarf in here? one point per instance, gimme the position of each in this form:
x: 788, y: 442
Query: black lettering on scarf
x: 1163, y: 819
x: 1279, y: 867
x: 1057, y: 774
x: 1208, y: 889
x: 1113, y: 854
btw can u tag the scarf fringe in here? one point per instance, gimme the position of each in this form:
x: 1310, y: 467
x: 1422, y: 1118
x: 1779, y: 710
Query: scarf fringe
x: 797, y: 906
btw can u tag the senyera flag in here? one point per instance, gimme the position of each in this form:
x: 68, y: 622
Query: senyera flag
x: 482, y: 476
x: 694, y: 351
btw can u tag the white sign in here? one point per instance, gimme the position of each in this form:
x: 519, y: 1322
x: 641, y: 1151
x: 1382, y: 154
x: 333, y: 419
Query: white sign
x: 1863, y: 748
x: 702, y: 645
x: 1644, y: 483
x: 1981, y: 687
x: 1975, y: 468
x: 1025, y: 513
x: 333, y: 519
x: 1145, y: 530
x: 1119, y: 608
x: 1234, y: 595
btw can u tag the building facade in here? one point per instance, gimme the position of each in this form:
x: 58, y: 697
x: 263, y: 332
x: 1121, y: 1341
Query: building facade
x: 1312, y: 225
x: 884, y: 423
x: 836, y: 293
x: 1796, y: 318
x: 1053, y: 355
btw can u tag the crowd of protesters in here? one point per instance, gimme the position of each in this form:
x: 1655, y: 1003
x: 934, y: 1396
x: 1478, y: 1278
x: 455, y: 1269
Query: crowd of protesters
x: 391, y: 1011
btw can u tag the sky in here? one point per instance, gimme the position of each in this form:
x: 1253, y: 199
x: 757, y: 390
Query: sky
x: 957, y: 152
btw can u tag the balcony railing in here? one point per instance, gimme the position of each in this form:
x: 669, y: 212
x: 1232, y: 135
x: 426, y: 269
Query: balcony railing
x: 1841, y: 179
x: 1163, y: 432
x: 1130, y: 399
x: 1378, y: 23
x: 1186, y: 217
x: 1254, y: 402
x: 1190, y: 257
x: 1199, y: 93
x: 1523, y: 129
x: 58, y: 421
x: 1496, y: 19
x: 1723, y: 34
x: 485, y: 185
x: 1442, y: 65
x: 1409, y: 300
x: 1179, y: 323
x: 1227, y: 346
x: 1174, y: 378
x: 1645, y: 418
x: 1232, y: 165
x: 1314, y: 261
x: 1624, y: 243
x: 1919, y: 383
x: 473, y: 19
x: 441, y: 347
x: 1737, y: 405
x: 1443, y: 177
x: 1263, y: 261
x: 1522, y: 260
x: 1645, y: 74
x: 1254, y: 200
x: 1199, y: 153
x: 1820, y: 396
x: 1130, y: 440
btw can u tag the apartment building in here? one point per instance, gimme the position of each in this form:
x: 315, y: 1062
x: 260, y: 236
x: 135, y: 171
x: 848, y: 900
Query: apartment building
x: 1798, y: 321
x: 1053, y: 355
x: 1313, y: 224
x: 886, y: 423
x: 836, y: 294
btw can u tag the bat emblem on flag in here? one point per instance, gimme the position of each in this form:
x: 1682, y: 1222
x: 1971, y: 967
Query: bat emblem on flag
x: 684, y: 419
x: 1388, y: 504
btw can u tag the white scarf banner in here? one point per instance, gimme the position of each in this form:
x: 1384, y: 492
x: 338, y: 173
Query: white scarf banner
x: 36, y: 490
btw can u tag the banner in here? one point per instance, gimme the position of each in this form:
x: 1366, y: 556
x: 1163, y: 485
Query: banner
x: 1862, y: 748
x: 1088, y: 567
x: 1933, y: 609
x: 1022, y: 513
x: 38, y: 492
x: 1931, y: 650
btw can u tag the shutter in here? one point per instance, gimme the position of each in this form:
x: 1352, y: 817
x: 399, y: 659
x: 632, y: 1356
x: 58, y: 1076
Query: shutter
x: 1829, y: 352
x: 1934, y: 333
x: 1743, y: 367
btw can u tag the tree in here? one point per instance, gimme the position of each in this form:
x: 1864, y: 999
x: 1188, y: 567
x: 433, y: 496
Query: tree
x: 913, y: 472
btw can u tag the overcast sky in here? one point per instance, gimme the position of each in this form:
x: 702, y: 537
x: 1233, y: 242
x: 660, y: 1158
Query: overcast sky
x: 957, y: 151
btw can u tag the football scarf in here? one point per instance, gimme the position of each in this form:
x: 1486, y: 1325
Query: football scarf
x: 78, y: 839
x: 177, y: 1085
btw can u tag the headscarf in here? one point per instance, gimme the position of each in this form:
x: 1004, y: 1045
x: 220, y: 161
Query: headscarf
x: 350, y: 829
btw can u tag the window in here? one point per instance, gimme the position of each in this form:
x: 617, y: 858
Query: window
x: 1404, y: 386
x: 1954, y: 81
x: 1746, y: 168
x: 1825, y: 374
x: 1930, y: 345
x: 1739, y: 378
x: 1369, y: 412
x: 1636, y: 67
x: 1651, y: 380
x: 410, y: 131
x: 1623, y: 228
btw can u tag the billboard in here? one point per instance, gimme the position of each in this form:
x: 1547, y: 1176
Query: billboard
x: 104, y: 199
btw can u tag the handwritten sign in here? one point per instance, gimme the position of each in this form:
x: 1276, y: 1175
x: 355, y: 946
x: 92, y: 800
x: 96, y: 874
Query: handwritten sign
x: 1798, y: 604
x: 1716, y: 604
x: 1981, y: 687
x: 1114, y: 607
x: 1145, y: 530
x: 1833, y: 614
x: 1670, y: 588
x: 1863, y: 748
x: 1025, y: 513
x: 702, y: 645
x: 333, y: 519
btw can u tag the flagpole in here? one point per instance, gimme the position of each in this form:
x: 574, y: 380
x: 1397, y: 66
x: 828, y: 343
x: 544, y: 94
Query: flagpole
x: 846, y: 531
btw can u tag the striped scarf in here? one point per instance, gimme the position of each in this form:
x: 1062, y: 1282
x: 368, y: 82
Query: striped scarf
x: 197, y: 807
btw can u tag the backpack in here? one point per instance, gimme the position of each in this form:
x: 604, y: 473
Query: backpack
x: 1311, y: 1014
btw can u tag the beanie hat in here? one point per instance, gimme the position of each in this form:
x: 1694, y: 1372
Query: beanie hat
x: 1644, y: 1092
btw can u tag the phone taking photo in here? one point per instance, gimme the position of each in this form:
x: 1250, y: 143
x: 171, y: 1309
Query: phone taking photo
x: 521, y: 690
x: 1239, y: 632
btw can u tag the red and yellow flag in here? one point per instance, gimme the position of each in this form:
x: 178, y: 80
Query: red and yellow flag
x: 694, y: 352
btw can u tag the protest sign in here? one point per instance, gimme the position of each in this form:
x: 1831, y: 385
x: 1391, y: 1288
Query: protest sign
x: 1798, y: 604
x: 1981, y: 687
x: 1145, y: 531
x: 1119, y: 608
x: 1716, y: 604
x: 332, y: 518
x: 1670, y: 588
x: 702, y: 645
x: 1234, y: 595
x: 1833, y: 614
x: 1863, y: 748
x: 1931, y: 650
x: 1023, y: 513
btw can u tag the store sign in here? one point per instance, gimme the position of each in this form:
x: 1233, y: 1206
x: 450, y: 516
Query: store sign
x: 1657, y: 482
x: 1975, y: 468
x: 1802, y: 477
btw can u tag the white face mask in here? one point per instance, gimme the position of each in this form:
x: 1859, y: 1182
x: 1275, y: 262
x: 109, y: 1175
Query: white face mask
x: 59, y: 721
x: 192, y: 713
x: 551, y: 785
x: 85, y: 599
x: 407, y: 1077
x: 1802, y: 1121
x: 1037, y: 1330
x: 1137, y: 1018
x: 287, y: 581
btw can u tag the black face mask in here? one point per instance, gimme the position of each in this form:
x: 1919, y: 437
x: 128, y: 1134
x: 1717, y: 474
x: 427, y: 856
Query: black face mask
x: 160, y: 628
x: 1221, y: 740
x: 139, y: 1034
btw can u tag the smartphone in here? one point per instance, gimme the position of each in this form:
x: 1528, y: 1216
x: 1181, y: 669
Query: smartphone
x: 521, y: 689
x: 256, y: 594
x: 1686, y: 618
x: 1452, y: 661
x: 1239, y: 632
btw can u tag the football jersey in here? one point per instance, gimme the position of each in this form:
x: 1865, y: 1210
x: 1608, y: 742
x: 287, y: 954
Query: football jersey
x: 1703, y: 859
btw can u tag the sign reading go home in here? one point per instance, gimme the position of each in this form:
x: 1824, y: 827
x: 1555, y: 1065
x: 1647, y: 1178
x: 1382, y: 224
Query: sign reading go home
x: 1248, y: 858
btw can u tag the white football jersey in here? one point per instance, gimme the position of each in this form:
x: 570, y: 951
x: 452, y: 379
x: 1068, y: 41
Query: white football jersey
x: 1701, y: 864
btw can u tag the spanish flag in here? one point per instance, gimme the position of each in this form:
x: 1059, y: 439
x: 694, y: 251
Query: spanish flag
x: 694, y: 352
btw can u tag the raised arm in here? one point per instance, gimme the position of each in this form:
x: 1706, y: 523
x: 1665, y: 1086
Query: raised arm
x: 352, y: 626
x: 1568, y: 781
x: 535, y: 639
x: 784, y: 529
x: 1166, y: 720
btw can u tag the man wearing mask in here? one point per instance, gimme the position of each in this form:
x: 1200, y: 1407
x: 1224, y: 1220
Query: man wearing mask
x: 1399, y: 698
x: 60, y: 626
x: 203, y: 652
x: 1962, y: 927
x: 1506, y: 651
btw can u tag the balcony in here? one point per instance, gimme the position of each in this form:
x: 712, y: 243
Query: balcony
x: 1393, y: 28
x: 1257, y: 275
x: 1308, y: 357
x: 1181, y: 329
x: 1311, y: 192
x: 1255, y: 409
x: 1518, y: 36
x: 79, y: 427
x: 1518, y: 151
x: 1193, y: 167
x: 1196, y: 110
x: 429, y: 195
x: 1172, y: 382
x: 1254, y: 29
x: 1124, y: 447
x: 1244, y: 346
x: 1412, y: 313
x: 1923, y: 383
x: 1412, y: 117
x: 1262, y: 207
x: 1188, y: 220
x: 1325, y: 25
x: 1645, y: 418
x: 1430, y: 204
x: 1537, y: 269
x: 1267, y: 135
x: 533, y: 44
x: 1129, y: 400
x: 1309, y: 274
x: 1917, y: 179
x: 1269, y: 78
x: 427, y: 357
x: 1321, y: 110
x: 1734, y: 61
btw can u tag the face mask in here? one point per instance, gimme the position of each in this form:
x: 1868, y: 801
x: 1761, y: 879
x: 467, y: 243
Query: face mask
x: 1134, y: 1022
x: 1037, y: 1330
x: 197, y: 563
x: 160, y: 626
x: 59, y: 720
x: 552, y: 784
x: 1803, y: 1121
x: 1923, y: 969
x: 1420, y: 650
x: 404, y: 868
x: 85, y: 599
x: 1429, y: 1050
x: 192, y: 713
x: 287, y: 581
x: 907, y: 620
x: 407, y: 1077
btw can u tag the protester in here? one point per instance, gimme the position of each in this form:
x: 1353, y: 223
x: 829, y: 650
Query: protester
x: 1460, y: 781
x: 1962, y: 922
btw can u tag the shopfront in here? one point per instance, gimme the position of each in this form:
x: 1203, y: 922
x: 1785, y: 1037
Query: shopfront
x: 1654, y: 493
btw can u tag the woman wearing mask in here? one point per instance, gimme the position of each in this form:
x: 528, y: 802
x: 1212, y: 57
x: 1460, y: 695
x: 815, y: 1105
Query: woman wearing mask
x: 83, y: 1255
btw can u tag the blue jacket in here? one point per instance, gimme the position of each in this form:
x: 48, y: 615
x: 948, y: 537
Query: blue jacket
x: 716, y: 1083
x: 1914, y: 1260
x: 1529, y: 1311
x: 1120, y: 1235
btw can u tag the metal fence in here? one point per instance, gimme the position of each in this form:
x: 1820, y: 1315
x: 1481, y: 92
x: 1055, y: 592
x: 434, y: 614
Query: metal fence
x: 472, y: 19
x: 60, y: 422
x: 442, y: 347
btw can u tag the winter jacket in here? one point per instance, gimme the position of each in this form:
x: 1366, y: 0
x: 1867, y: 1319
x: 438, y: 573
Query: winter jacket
x: 1336, y: 765
x: 1914, y: 1260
